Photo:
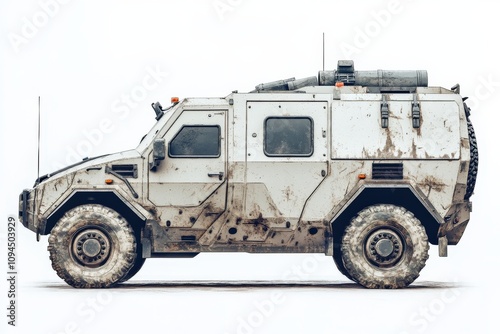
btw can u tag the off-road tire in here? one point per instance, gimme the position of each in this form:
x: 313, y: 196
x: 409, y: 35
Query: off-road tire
x: 108, y: 241
x: 138, y: 263
x: 339, y: 262
x: 474, y: 161
x: 384, y: 226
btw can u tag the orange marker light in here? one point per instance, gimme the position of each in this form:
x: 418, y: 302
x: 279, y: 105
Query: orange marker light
x: 108, y: 181
x: 362, y: 176
x: 339, y: 84
x: 174, y: 99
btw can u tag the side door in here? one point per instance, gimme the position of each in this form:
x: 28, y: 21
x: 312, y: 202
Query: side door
x: 191, y: 182
x: 286, y: 159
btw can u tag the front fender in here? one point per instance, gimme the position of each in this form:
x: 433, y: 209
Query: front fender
x: 109, y: 198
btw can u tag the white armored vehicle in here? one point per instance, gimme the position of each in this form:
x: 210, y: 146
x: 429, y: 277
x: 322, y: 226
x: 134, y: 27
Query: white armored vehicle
x: 366, y: 166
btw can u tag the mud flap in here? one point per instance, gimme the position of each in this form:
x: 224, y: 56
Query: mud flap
x: 329, y: 246
x: 443, y: 246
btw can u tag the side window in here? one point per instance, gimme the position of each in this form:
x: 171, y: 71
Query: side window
x: 199, y: 141
x: 288, y: 137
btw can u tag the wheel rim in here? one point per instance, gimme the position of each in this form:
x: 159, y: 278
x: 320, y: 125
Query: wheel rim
x: 384, y: 248
x: 91, y: 247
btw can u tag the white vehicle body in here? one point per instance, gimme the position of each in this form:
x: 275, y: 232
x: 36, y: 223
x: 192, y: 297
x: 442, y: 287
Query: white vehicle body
x: 276, y: 171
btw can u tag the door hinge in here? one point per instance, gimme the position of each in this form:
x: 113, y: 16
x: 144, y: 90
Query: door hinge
x: 384, y: 112
x: 415, y: 111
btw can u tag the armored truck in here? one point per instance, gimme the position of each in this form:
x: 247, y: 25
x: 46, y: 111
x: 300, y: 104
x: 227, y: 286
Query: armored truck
x: 369, y: 167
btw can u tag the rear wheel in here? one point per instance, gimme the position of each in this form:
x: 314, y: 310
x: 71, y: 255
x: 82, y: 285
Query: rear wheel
x: 385, y: 246
x: 339, y: 262
x: 92, y: 246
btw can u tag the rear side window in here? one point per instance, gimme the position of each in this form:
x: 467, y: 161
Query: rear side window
x: 200, y: 141
x: 288, y: 137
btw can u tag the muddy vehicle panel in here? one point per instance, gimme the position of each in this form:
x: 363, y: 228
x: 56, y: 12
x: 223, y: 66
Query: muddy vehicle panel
x: 366, y: 166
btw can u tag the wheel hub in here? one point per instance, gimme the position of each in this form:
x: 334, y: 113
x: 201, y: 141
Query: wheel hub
x: 91, y: 247
x: 384, y: 248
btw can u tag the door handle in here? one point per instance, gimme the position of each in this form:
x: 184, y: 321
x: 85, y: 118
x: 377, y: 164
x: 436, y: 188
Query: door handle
x: 219, y: 174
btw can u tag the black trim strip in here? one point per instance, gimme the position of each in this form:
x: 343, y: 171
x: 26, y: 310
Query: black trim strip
x: 46, y: 176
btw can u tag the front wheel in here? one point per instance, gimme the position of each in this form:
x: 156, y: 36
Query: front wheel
x: 92, y: 246
x: 385, y: 246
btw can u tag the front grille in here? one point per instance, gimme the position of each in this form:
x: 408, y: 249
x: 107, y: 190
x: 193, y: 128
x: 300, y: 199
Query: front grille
x: 387, y: 171
x: 23, y: 207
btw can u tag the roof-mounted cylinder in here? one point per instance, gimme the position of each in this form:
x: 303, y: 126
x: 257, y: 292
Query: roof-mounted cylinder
x: 375, y: 81
x: 287, y: 84
x: 392, y: 80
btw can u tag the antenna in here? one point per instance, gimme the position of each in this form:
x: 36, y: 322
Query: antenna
x: 38, y: 167
x: 323, y: 51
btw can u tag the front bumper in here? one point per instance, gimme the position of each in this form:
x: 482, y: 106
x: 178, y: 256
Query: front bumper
x: 26, y: 209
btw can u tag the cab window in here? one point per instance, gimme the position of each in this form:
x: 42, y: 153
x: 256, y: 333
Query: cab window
x: 199, y: 141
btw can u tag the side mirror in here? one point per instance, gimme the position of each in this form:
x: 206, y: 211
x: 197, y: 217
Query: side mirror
x: 158, y: 153
x: 158, y: 110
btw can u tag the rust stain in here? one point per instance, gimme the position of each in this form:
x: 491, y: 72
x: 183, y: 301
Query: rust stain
x: 259, y: 224
x: 463, y: 166
x: 464, y: 142
x: 364, y: 154
x: 60, y: 182
x: 391, y: 114
x: 153, y: 211
x: 230, y: 171
x: 431, y: 183
x: 288, y: 193
x: 389, y: 146
x: 413, y: 149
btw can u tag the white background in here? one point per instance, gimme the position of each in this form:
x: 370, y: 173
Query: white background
x: 86, y: 58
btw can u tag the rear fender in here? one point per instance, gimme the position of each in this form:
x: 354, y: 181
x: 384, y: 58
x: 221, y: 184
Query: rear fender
x: 403, y: 195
